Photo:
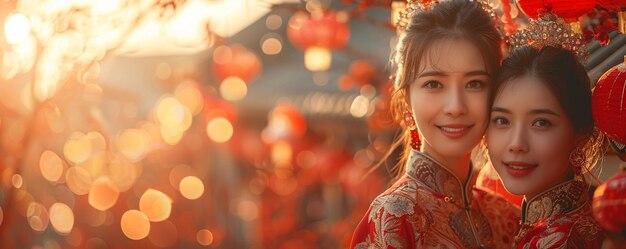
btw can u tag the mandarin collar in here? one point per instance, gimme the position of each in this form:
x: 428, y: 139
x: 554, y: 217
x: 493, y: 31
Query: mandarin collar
x: 430, y: 173
x: 560, y: 199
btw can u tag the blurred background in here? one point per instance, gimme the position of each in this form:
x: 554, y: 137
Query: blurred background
x: 206, y: 123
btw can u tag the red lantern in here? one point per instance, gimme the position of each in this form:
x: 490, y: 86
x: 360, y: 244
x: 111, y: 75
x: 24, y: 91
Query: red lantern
x: 285, y: 122
x: 570, y: 10
x: 609, y: 103
x: 317, y: 34
x: 609, y: 203
x: 235, y: 61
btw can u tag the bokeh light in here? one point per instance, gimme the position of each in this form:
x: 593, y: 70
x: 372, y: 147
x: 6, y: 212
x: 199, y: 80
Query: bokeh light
x: 103, y: 194
x: 191, y: 187
x: 219, y: 130
x: 233, y: 89
x: 155, y: 205
x: 38, y: 218
x: 189, y: 95
x: 204, y: 237
x: 78, y: 148
x: 133, y: 144
x: 61, y: 218
x: 78, y: 180
x: 135, y: 224
x: 51, y: 166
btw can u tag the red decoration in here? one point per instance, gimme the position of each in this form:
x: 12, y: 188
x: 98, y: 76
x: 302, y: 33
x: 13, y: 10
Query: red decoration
x: 609, y: 103
x: 235, y: 61
x: 570, y: 10
x: 361, y: 73
x: 329, y: 30
x: 609, y: 203
x: 285, y: 122
x: 613, y: 4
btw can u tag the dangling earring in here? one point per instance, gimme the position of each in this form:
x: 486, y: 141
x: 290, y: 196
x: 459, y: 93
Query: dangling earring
x: 577, y: 159
x: 410, y: 124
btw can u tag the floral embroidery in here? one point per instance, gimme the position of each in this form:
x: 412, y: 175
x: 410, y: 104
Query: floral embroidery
x: 560, y: 217
x: 426, y: 208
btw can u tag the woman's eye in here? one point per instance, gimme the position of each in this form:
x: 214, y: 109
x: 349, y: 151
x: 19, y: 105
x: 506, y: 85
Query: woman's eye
x: 432, y: 84
x: 500, y: 121
x: 475, y: 84
x: 541, y: 123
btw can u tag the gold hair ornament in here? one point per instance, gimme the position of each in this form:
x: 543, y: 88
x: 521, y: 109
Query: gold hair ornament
x: 549, y: 30
x: 413, y: 6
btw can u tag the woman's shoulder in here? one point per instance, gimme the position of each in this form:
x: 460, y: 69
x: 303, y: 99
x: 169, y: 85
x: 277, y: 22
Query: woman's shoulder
x: 398, y: 200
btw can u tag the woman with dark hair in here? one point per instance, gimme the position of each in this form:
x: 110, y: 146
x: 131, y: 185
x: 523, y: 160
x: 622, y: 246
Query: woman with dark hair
x: 542, y: 137
x: 444, y: 60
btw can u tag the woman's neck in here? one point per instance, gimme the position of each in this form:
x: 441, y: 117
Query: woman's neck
x: 458, y: 165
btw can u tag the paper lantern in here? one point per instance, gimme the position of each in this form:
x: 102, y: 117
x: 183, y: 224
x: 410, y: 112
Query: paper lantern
x: 235, y: 61
x: 609, y: 203
x: 570, y: 10
x: 317, y: 35
x: 285, y: 122
x: 609, y: 103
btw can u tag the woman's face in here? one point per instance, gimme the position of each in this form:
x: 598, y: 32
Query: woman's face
x: 449, y: 98
x: 529, y: 137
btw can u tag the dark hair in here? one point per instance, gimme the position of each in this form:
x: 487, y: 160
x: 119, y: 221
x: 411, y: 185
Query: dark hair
x: 565, y: 76
x: 455, y: 19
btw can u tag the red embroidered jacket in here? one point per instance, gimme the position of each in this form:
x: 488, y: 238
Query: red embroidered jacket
x: 429, y: 207
x: 559, y: 217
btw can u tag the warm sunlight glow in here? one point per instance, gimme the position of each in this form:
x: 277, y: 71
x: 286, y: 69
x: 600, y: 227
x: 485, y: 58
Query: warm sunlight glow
x: 16, y: 28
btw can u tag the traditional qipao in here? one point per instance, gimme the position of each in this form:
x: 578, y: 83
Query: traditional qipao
x: 429, y: 207
x: 559, y: 217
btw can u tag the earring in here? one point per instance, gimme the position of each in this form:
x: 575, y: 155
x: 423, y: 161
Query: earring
x: 410, y: 124
x: 577, y: 159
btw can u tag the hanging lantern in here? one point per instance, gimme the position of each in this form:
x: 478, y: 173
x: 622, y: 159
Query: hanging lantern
x: 609, y: 203
x: 361, y: 73
x: 235, y: 61
x: 609, y: 103
x: 619, y: 6
x: 570, y: 10
x: 317, y: 35
x: 285, y: 122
